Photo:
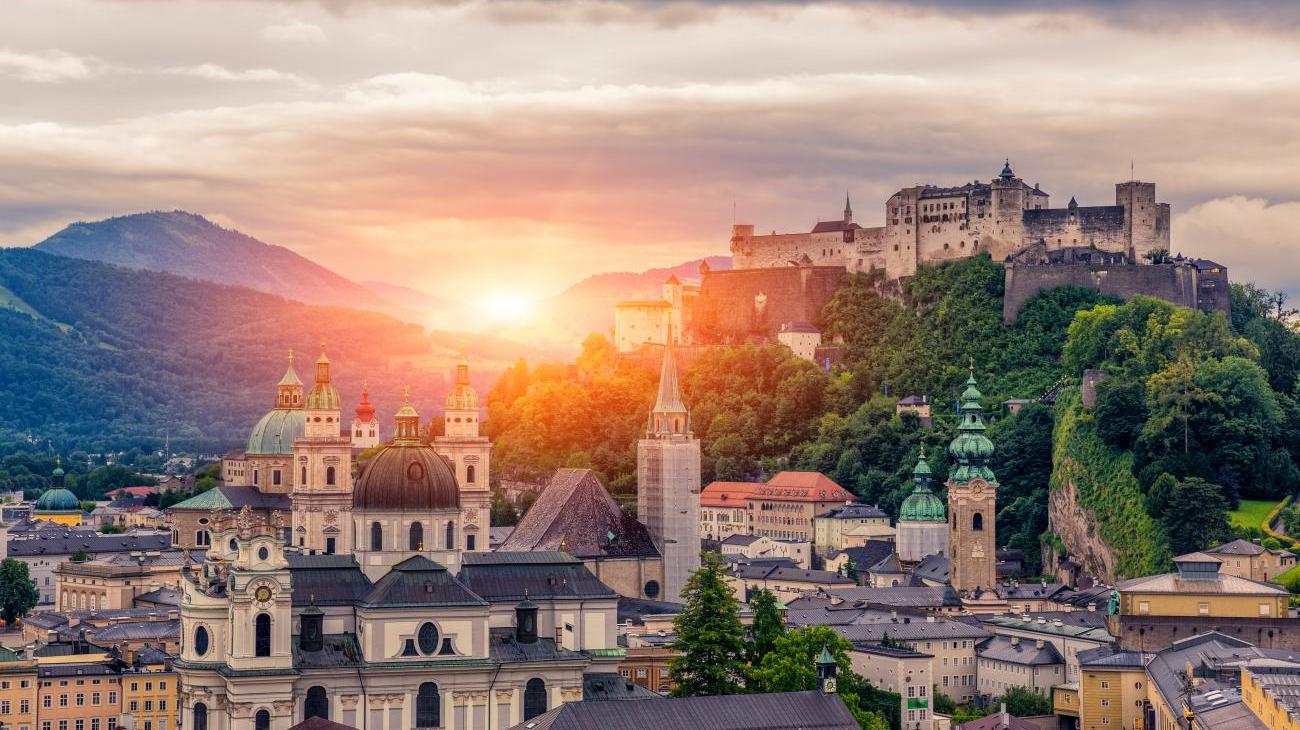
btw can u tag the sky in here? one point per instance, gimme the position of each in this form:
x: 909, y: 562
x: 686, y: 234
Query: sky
x: 507, y: 149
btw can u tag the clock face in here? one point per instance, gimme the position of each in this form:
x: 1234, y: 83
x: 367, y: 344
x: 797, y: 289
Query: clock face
x: 263, y: 594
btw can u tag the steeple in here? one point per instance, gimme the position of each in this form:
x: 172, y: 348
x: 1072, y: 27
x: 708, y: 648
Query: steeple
x: 848, y: 209
x: 323, y: 395
x: 289, y: 390
x: 365, y: 409
x: 669, y: 415
x: 921, y: 505
x: 971, y: 448
x: 408, y: 422
x: 56, y: 477
x: 1006, y: 173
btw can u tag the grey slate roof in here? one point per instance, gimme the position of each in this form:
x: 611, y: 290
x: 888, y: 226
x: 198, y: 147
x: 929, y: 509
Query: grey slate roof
x: 502, y: 647
x: 854, y: 511
x: 749, y: 571
x: 602, y: 686
x: 914, y: 631
x: 576, y: 514
x: 69, y: 543
x: 932, y: 567
x: 1110, y: 657
x: 901, y: 596
x: 139, y: 630
x: 896, y: 652
x: 165, y: 596
x: 636, y: 609
x: 741, y: 540
x: 777, y: 711
x: 997, y: 721
x: 1025, y: 652
x: 505, y: 576
x: 326, y: 580
x: 418, y: 581
x: 868, y: 554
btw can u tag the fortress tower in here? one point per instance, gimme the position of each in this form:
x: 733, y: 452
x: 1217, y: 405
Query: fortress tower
x: 668, y: 481
x: 470, y: 455
x: 322, y: 457
x: 972, y: 501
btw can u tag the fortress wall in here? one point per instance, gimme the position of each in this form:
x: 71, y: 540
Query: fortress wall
x: 728, y: 309
x: 1180, y: 284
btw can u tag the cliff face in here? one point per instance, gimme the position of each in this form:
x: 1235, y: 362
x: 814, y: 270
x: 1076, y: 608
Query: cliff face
x: 1077, y: 527
x: 1095, y: 506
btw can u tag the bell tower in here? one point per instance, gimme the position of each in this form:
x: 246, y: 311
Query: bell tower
x: 322, y: 458
x: 972, y: 501
x: 470, y: 455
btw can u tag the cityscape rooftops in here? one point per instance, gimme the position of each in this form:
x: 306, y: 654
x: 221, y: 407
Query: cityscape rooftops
x: 1025, y: 652
x: 776, y: 711
x: 802, y: 486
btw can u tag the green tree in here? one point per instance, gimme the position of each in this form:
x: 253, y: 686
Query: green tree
x: 943, y: 704
x: 850, y: 569
x: 1120, y: 411
x: 503, y: 513
x: 1160, y: 493
x: 710, y: 636
x: 79, y: 557
x: 766, y: 628
x: 1197, y: 515
x: 1023, y: 702
x: 791, y: 666
x: 110, y: 529
x: 18, y: 593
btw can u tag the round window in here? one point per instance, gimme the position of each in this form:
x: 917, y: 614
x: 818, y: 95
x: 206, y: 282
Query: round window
x: 415, y: 472
x: 428, y: 638
x: 263, y: 553
x: 652, y: 589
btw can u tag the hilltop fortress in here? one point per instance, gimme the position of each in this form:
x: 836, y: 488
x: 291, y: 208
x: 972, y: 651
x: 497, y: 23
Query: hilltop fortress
x: 926, y: 224
x: 779, y: 282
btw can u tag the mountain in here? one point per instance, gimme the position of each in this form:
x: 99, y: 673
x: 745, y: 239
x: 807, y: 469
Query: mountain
x: 190, y: 245
x: 588, y: 306
x: 416, y: 305
x: 100, y: 357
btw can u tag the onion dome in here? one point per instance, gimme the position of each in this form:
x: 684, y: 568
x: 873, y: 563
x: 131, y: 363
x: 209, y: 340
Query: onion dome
x: 462, y: 397
x: 971, y: 449
x: 406, y: 475
x: 58, y: 472
x: 58, y: 500
x: 1006, y: 173
x: 323, y: 396
x: 365, y: 409
x: 922, y: 505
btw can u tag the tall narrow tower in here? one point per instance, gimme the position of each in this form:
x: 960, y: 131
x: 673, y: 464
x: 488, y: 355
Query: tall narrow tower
x: 365, y: 427
x: 668, y: 481
x: 972, y: 500
x: 470, y: 455
x: 322, y: 488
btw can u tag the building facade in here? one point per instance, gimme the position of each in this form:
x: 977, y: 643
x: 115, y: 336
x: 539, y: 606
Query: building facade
x: 470, y: 454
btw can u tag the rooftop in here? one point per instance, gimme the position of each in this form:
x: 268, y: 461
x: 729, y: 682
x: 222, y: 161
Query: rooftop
x: 1025, y: 652
x: 777, y: 711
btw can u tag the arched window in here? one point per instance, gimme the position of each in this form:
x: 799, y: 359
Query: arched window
x: 316, y: 705
x: 428, y: 706
x: 303, y: 481
x: 451, y: 535
x: 417, y: 536
x: 262, y: 635
x: 534, y: 698
x: 200, y: 641
x: 376, y: 536
x: 202, y: 538
x: 469, y: 474
x: 329, y: 475
x: 200, y: 716
x: 977, y: 522
x: 262, y: 720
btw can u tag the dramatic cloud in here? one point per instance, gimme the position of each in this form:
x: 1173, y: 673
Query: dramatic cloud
x: 464, y: 147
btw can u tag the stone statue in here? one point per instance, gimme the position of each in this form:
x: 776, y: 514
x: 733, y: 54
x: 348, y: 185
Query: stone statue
x: 1113, y: 607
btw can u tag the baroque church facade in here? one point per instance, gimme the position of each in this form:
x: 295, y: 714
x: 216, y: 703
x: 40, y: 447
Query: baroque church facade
x: 374, y: 602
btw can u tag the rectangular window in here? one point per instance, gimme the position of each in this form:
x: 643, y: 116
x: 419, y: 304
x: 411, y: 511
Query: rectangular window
x: 1203, y: 608
x: 63, y: 700
x: 112, y: 698
x: 94, y: 698
x: 1265, y: 609
x: 4, y: 707
x: 81, y: 699
x: 135, y: 706
x: 94, y: 723
x: 1105, y: 684
x: 79, y: 724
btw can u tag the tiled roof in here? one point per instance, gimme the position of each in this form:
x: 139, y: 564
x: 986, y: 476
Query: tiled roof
x: 575, y: 513
x: 802, y: 486
x: 910, y: 596
x: 1219, y: 584
x: 998, y: 721
x: 853, y: 511
x: 89, y: 543
x: 503, y: 579
x: 869, y: 553
x: 1025, y: 652
x: 602, y: 686
x: 933, y: 567
x: 234, y: 497
x: 834, y: 226
x: 747, y: 571
x: 418, y: 581
x: 136, y: 630
x: 777, y: 711
x: 162, y: 596
x: 1110, y: 657
x: 741, y: 539
x: 727, y: 494
x: 938, y: 629
x: 896, y: 652
x: 326, y: 580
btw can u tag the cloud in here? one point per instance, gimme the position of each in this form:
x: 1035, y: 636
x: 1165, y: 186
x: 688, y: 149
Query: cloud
x: 1254, y: 238
x: 51, y: 66
x: 294, y: 31
x: 216, y: 72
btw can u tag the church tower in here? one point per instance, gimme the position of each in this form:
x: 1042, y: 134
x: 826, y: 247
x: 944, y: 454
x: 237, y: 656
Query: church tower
x: 365, y: 427
x: 922, y: 525
x: 972, y: 501
x: 322, y: 489
x: 668, y: 481
x: 470, y: 455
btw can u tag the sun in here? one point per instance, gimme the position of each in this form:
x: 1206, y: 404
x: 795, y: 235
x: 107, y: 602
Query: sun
x: 506, y: 307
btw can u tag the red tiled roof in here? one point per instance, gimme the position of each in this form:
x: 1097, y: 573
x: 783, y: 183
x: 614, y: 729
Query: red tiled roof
x: 133, y: 491
x: 727, y: 494
x: 803, y: 486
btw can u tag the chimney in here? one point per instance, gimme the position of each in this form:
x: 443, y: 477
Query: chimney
x: 1039, y: 644
x: 1092, y: 608
x: 1015, y: 641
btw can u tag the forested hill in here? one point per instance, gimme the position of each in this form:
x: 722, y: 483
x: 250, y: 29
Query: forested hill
x: 190, y: 245
x: 95, y: 356
x: 760, y: 409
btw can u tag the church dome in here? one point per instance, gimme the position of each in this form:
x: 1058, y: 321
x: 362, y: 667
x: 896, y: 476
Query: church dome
x: 365, y: 409
x: 58, y: 500
x: 405, y: 476
x: 922, y: 505
x: 276, y: 431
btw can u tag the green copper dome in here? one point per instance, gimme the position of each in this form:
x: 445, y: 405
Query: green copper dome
x: 58, y: 500
x: 971, y: 449
x: 922, y: 505
x: 323, y: 396
x: 275, y: 433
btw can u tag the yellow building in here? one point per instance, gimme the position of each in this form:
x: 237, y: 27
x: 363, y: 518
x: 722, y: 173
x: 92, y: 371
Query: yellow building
x: 114, y: 580
x: 1245, y: 559
x: 1112, y: 689
x: 1272, y: 695
x: 149, y: 694
x: 17, y: 691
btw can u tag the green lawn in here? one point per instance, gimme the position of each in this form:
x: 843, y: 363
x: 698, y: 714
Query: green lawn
x: 1287, y: 578
x: 1251, y: 512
